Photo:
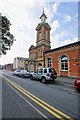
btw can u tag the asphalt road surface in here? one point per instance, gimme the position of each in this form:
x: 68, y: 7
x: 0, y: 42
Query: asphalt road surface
x: 25, y: 98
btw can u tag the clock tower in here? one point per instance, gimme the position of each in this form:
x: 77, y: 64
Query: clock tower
x: 43, y: 33
x: 42, y: 40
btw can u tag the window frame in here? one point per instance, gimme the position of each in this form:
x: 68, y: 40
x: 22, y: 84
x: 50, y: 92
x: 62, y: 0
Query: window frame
x: 49, y: 62
x: 64, y: 63
x: 45, y: 70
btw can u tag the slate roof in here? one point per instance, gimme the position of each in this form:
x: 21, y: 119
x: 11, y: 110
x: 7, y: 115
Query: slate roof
x: 22, y: 58
x: 65, y: 46
x: 32, y: 47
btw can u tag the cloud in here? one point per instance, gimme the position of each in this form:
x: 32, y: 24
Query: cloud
x: 19, y: 48
x: 67, y: 18
x: 64, y: 33
x: 51, y: 10
x: 68, y: 41
x: 55, y: 25
x: 48, y: 12
x: 55, y: 7
x: 24, y: 16
x: 57, y: 40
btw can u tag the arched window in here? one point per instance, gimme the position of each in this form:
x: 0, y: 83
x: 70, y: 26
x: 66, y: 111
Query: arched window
x: 49, y: 62
x: 39, y: 35
x: 64, y: 63
x: 39, y: 65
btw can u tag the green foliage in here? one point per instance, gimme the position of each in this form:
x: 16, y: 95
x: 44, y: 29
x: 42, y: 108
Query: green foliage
x: 7, y: 37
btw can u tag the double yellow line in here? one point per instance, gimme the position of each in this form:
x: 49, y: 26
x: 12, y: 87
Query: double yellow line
x: 40, y: 102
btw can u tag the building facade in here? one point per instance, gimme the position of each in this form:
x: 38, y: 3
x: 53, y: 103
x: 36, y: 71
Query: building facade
x: 36, y: 58
x: 8, y: 67
x: 20, y: 63
x: 0, y: 34
x: 65, y: 60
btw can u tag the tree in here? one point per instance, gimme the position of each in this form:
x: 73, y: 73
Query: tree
x: 7, y: 38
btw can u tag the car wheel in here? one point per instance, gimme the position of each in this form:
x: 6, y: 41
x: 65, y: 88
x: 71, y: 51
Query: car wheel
x: 43, y: 80
x: 22, y: 76
x: 31, y: 77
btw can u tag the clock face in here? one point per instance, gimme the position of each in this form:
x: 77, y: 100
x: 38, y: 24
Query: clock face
x: 42, y: 18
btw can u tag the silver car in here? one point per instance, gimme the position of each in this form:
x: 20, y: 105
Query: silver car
x: 24, y: 73
x: 16, y: 72
x: 44, y: 74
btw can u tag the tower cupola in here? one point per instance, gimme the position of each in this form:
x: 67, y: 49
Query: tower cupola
x: 43, y: 17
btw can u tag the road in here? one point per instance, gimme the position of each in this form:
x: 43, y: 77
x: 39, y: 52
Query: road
x: 25, y: 98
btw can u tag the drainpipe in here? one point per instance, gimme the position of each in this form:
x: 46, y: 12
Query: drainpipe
x: 43, y: 59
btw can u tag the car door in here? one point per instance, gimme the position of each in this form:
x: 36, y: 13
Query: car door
x: 40, y: 71
x: 35, y: 74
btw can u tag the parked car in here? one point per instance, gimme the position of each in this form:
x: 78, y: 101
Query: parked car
x: 16, y: 72
x: 77, y: 84
x: 44, y: 74
x: 24, y: 73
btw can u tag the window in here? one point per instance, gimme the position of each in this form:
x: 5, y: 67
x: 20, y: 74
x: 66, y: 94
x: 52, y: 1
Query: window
x: 49, y: 62
x: 64, y: 63
x: 40, y: 71
x: 45, y: 70
x: 39, y: 65
x: 39, y: 35
x: 46, y: 34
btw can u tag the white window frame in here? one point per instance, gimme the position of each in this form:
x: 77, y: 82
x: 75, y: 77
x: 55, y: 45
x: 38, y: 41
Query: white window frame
x: 64, y: 62
x: 49, y: 62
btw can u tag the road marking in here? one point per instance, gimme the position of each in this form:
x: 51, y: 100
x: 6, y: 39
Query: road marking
x: 59, y: 117
x: 40, y: 102
x: 43, y: 115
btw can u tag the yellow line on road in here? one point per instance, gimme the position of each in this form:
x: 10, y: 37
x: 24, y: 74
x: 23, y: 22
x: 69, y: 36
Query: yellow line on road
x: 40, y: 102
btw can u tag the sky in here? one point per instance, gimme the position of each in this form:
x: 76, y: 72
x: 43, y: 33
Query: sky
x: 24, y: 16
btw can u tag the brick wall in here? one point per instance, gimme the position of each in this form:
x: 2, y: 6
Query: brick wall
x: 73, y: 53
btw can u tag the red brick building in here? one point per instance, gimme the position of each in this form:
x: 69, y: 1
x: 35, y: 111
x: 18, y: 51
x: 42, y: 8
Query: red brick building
x: 36, y: 58
x: 64, y: 59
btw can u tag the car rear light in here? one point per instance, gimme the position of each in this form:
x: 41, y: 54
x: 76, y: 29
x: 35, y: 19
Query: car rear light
x: 78, y: 81
x: 75, y: 82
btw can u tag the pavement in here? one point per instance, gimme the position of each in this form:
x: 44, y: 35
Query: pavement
x: 63, y: 80
x: 66, y: 80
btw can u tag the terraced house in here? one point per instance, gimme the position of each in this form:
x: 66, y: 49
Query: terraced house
x: 65, y: 59
x: 20, y: 63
